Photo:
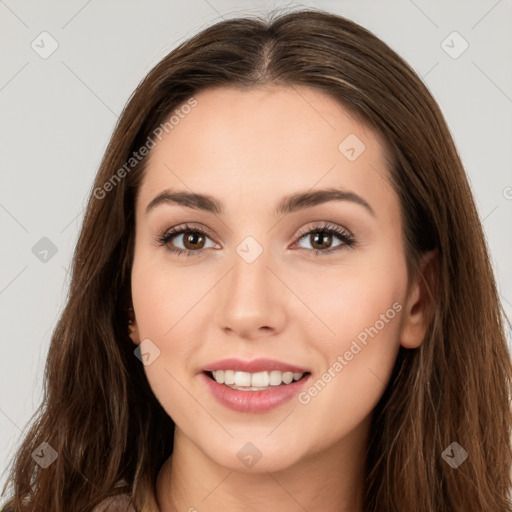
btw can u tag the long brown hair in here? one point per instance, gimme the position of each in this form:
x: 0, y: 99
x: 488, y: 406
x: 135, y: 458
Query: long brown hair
x: 98, y: 412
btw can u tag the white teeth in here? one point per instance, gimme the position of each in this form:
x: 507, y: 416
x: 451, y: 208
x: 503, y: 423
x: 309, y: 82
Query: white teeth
x: 219, y: 376
x: 275, y: 378
x: 229, y: 377
x: 238, y: 379
x: 287, y: 377
x: 242, y: 379
x: 259, y: 380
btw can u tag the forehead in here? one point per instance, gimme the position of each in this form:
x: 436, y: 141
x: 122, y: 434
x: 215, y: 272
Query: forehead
x: 264, y: 142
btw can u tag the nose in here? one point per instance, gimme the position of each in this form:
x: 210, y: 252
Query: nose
x: 252, y: 300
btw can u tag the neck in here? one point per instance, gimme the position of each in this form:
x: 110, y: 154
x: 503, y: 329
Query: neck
x: 331, y: 481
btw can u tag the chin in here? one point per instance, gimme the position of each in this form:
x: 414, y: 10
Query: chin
x: 258, y: 455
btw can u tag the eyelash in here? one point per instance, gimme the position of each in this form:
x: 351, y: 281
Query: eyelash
x: 347, y: 238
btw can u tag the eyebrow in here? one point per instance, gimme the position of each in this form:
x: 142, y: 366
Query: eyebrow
x: 289, y: 204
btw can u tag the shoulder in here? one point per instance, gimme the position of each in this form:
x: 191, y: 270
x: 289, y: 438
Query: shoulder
x: 119, y: 503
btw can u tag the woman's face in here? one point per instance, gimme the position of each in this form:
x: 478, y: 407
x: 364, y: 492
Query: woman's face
x: 315, y: 284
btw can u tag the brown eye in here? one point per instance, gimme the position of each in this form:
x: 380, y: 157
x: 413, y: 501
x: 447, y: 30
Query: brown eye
x: 193, y: 240
x: 322, y: 241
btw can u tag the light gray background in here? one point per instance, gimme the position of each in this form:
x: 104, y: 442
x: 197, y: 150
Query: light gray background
x: 57, y: 115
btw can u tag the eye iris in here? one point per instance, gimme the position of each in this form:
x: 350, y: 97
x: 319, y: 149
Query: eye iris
x: 325, y: 239
x: 193, y: 238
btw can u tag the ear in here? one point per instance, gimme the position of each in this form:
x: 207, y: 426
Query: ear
x: 420, y: 302
x: 133, y: 330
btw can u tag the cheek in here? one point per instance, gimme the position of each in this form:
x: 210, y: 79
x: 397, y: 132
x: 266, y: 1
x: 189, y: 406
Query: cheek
x: 154, y: 300
x: 170, y: 302
x: 356, y: 365
x: 357, y: 334
x: 159, y: 308
x: 361, y: 337
x: 162, y: 291
x: 361, y: 300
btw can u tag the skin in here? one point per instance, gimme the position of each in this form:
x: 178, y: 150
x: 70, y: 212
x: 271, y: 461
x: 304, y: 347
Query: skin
x: 249, y: 149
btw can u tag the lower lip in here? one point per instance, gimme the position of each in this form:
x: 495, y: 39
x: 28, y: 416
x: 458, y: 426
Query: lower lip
x: 254, y: 401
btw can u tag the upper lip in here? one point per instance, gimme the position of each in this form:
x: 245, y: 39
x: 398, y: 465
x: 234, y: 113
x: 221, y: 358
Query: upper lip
x: 253, y: 366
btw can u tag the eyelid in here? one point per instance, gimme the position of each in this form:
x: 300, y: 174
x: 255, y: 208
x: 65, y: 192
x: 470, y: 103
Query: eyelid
x: 300, y: 233
x: 190, y: 226
x: 322, y: 224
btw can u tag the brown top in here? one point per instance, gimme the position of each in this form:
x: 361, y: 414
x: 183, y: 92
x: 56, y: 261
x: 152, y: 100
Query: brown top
x: 120, y: 503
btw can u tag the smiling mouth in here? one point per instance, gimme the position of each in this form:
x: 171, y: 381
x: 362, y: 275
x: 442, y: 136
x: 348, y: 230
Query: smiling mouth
x: 260, y: 381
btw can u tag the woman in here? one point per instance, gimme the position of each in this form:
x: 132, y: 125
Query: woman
x: 208, y: 360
